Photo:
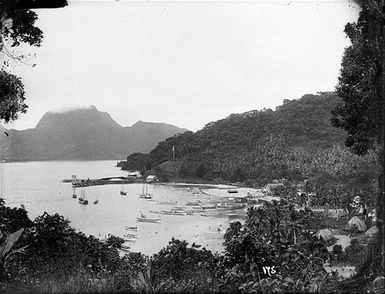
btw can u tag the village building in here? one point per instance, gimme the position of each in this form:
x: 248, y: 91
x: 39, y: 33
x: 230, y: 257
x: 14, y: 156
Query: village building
x: 134, y: 174
x: 270, y: 187
x: 151, y: 178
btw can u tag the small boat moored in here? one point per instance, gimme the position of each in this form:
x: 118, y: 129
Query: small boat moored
x: 232, y: 191
x: 145, y: 219
x: 82, y: 198
x: 122, y: 192
x: 145, y: 194
x: 131, y: 228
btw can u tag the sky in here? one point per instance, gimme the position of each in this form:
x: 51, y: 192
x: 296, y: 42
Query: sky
x: 185, y: 63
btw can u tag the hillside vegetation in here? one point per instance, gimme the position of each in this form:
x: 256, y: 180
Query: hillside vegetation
x: 259, y: 145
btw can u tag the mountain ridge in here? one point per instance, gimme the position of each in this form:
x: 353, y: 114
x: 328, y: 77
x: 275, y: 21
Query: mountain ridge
x: 84, y: 134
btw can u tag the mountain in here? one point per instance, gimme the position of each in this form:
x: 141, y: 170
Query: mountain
x: 84, y: 134
x: 260, y: 145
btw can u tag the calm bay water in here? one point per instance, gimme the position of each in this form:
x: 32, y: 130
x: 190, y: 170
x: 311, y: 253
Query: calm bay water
x: 38, y: 186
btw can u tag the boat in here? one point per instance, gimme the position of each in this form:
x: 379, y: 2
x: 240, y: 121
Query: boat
x: 234, y: 215
x: 145, y: 219
x: 82, y: 195
x: 193, y: 203
x: 73, y: 193
x: 169, y: 202
x: 154, y: 211
x: 96, y: 201
x: 131, y: 228
x: 84, y: 202
x: 130, y: 235
x: 235, y: 205
x: 209, y: 206
x: 232, y: 191
x: 82, y: 198
x: 148, y: 220
x: 122, y: 192
x: 174, y: 212
x: 145, y: 194
x: 124, y: 248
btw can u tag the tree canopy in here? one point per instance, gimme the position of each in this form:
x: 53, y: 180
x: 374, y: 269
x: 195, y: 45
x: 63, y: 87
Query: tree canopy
x: 17, y: 26
x: 361, y: 114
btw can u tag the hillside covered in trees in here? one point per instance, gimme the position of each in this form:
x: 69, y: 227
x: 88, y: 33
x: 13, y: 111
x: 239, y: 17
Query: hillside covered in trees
x: 257, y: 145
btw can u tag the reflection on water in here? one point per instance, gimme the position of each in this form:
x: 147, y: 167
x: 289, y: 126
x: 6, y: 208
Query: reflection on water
x: 38, y: 186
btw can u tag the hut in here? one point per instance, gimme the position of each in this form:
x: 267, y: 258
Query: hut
x: 151, y: 178
x: 325, y: 234
x: 273, y: 186
x: 359, y: 223
x: 371, y: 232
x: 134, y: 174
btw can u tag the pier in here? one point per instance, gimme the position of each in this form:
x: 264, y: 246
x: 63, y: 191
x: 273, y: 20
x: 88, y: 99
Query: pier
x: 77, y: 183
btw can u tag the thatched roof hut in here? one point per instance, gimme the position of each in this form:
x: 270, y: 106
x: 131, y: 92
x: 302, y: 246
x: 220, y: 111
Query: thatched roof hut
x: 371, y: 232
x: 359, y: 223
x: 325, y: 234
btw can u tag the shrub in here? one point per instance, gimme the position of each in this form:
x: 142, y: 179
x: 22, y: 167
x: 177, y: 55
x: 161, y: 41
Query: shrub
x: 200, y: 171
x: 355, y: 252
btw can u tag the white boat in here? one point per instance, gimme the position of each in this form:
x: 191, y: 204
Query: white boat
x: 124, y: 247
x: 131, y: 228
x: 130, y: 235
x: 145, y: 219
x: 174, y: 212
x: 148, y: 220
x: 145, y: 194
x: 82, y: 198
x: 209, y: 206
x: 154, y: 211
x: 74, y: 193
x: 168, y: 202
x: 193, y: 203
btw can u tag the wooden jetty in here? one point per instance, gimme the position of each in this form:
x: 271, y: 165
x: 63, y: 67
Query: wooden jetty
x: 102, y: 181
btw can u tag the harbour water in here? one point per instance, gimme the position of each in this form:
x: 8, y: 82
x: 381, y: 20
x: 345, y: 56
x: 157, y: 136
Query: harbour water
x: 38, y: 186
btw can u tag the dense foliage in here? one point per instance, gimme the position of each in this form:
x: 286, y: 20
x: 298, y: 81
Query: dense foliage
x: 361, y: 114
x: 17, y: 26
x: 296, y: 141
x: 11, y: 97
x: 56, y: 258
x: 274, y: 236
x: 336, y: 176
